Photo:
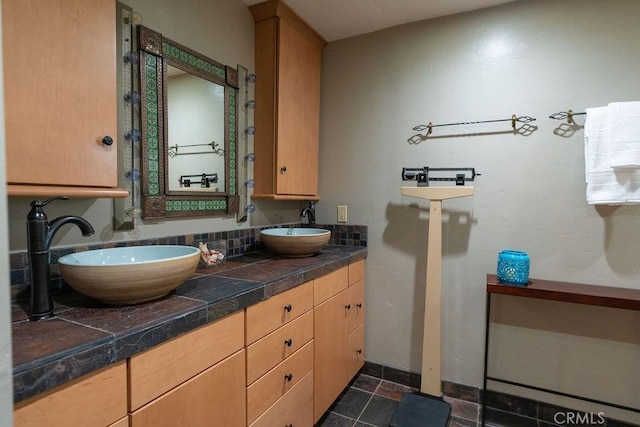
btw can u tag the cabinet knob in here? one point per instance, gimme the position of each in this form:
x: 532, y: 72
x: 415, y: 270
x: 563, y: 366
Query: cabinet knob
x: 288, y: 342
x: 288, y: 308
x: 283, y: 169
x: 359, y: 351
x: 288, y: 377
x: 359, y: 305
x: 289, y: 425
x: 348, y: 306
x: 107, y: 140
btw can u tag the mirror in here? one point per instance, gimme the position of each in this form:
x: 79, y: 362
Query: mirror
x: 189, y: 131
x: 195, y: 128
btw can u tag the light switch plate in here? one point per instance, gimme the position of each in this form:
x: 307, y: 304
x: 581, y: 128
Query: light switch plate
x: 342, y: 214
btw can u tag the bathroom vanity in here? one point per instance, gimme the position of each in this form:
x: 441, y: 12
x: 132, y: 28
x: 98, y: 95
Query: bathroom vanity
x: 259, y: 341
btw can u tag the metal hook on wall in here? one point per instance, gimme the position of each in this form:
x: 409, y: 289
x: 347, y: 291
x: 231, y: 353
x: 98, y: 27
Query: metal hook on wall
x: 561, y: 115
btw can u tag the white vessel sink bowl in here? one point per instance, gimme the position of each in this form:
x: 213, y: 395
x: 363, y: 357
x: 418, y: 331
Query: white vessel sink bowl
x: 129, y: 275
x: 295, y: 242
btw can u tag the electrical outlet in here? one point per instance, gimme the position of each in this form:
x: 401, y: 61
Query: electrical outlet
x: 342, y: 214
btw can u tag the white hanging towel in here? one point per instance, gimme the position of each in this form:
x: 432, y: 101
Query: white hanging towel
x: 606, y: 185
x: 624, y: 137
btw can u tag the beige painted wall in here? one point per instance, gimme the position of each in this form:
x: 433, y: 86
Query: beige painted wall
x: 525, y: 58
x: 220, y: 29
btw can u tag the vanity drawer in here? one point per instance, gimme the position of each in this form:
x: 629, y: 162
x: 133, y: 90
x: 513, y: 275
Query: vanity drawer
x: 278, y: 381
x: 267, y: 316
x: 327, y: 286
x: 95, y: 399
x: 267, y: 352
x: 163, y: 367
x: 214, y: 397
x: 356, y: 272
x: 294, y: 408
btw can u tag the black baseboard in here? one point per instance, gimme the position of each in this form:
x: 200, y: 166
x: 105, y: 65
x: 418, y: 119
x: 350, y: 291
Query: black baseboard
x: 412, y: 379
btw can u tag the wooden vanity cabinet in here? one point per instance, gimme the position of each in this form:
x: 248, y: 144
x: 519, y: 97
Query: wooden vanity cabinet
x: 60, y: 97
x: 282, y: 361
x: 287, y: 95
x: 338, y: 333
x: 195, y: 379
x: 97, y: 399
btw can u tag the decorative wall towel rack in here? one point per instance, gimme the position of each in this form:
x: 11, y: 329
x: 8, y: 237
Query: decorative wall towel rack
x: 173, y: 149
x: 513, y: 120
x: 561, y: 115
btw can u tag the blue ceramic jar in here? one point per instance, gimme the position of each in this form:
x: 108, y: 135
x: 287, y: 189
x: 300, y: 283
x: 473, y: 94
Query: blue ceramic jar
x: 513, y: 267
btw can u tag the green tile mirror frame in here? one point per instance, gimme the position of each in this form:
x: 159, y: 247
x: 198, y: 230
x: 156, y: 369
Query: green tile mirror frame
x: 204, y: 182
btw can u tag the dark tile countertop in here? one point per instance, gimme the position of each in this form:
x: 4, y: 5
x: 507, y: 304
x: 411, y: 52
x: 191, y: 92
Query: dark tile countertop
x: 86, y: 335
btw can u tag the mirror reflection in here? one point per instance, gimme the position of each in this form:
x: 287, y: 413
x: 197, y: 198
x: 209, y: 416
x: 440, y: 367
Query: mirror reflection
x: 195, y: 108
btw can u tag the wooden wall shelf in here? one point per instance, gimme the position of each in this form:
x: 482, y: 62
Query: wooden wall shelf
x: 578, y: 293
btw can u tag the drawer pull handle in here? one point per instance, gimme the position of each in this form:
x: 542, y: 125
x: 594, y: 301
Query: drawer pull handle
x: 359, y: 305
x: 288, y: 377
x: 288, y: 342
x: 359, y: 351
x: 348, y: 306
x: 288, y: 308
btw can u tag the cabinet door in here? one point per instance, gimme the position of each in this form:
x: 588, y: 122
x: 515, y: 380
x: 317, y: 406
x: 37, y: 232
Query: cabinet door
x: 298, y: 107
x: 216, y: 397
x: 331, y: 351
x: 356, y: 351
x: 356, y: 303
x: 60, y: 91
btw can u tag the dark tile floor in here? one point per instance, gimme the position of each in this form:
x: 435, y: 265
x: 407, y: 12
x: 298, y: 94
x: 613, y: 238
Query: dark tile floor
x: 371, y: 401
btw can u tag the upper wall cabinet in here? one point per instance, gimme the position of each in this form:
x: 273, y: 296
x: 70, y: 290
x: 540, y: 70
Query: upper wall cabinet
x: 60, y: 97
x: 287, y: 114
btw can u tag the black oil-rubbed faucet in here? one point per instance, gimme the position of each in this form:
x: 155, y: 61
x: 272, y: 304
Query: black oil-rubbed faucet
x: 310, y: 213
x: 40, y: 233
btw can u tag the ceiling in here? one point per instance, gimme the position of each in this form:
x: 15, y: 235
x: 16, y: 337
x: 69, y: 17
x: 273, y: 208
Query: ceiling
x: 338, y: 19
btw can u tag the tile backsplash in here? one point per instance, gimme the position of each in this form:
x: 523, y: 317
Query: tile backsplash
x: 237, y: 242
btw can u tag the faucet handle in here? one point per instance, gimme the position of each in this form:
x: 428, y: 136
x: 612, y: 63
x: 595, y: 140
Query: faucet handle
x: 39, y: 204
x: 37, y: 213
